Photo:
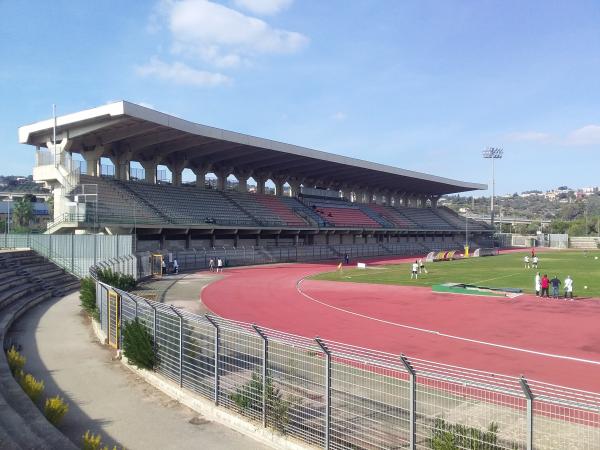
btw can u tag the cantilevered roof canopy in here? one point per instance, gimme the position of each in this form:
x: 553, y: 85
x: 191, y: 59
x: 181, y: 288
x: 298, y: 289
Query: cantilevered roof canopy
x: 142, y: 134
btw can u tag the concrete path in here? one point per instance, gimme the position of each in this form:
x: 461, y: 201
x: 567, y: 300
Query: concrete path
x: 104, y: 396
x: 184, y: 290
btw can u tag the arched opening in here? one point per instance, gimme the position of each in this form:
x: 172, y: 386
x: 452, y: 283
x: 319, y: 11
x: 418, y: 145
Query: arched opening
x: 107, y: 168
x: 427, y: 203
x: 188, y: 177
x: 231, y: 183
x: 270, y: 187
x: 287, y: 189
x: 210, y: 180
x: 163, y: 175
x: 136, y: 171
x: 251, y: 185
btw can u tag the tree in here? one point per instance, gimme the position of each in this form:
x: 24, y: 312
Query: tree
x: 23, y: 211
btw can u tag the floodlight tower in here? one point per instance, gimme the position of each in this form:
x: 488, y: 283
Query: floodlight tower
x: 493, y: 153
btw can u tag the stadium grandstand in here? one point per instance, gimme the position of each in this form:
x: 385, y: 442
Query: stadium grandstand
x: 319, y: 198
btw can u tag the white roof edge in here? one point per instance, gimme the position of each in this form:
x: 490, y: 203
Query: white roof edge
x: 110, y: 109
x: 141, y: 112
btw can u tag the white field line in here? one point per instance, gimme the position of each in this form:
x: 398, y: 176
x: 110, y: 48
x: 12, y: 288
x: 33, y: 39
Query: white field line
x: 449, y: 336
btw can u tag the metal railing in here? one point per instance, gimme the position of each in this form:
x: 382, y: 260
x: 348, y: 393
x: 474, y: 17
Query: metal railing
x: 74, y: 253
x: 338, y: 396
x: 244, y: 256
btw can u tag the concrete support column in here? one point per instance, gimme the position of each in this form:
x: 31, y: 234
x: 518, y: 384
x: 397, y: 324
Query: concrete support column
x: 212, y: 240
x: 176, y: 167
x: 121, y: 163
x: 149, y: 170
x: 434, y: 201
x: 258, y: 235
x: 92, y: 160
x: 276, y: 240
x: 327, y: 238
x: 222, y: 179
x: 242, y: 183
x: 370, y: 195
x: 188, y: 240
x: 295, y: 186
x: 296, y: 240
x: 200, y: 176
x: 279, y: 182
x: 236, y: 239
x: 260, y: 183
x: 163, y: 240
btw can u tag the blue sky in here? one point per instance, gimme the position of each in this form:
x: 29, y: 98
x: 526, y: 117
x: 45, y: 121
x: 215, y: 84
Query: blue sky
x: 422, y: 85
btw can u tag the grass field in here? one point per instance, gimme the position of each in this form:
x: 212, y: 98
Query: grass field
x: 494, y: 271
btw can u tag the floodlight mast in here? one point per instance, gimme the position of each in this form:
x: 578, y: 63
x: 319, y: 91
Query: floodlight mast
x: 493, y: 153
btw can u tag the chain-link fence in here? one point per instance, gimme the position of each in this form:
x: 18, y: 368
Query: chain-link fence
x: 338, y: 396
x: 244, y: 256
x: 75, y: 253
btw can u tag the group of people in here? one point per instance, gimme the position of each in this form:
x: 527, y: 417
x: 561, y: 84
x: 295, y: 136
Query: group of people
x: 543, y: 284
x: 174, y: 268
x: 531, y: 263
x: 418, y: 267
x: 219, y: 266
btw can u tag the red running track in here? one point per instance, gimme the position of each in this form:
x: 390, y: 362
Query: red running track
x: 554, y: 341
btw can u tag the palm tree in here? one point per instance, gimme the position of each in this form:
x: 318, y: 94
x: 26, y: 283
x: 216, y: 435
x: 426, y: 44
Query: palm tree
x: 23, y: 211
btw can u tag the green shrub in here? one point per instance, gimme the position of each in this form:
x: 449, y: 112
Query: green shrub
x: 249, y: 397
x: 138, y: 346
x: 453, y: 436
x: 16, y: 361
x: 87, y: 296
x: 32, y: 387
x: 117, y: 279
x: 91, y: 441
x: 55, y: 409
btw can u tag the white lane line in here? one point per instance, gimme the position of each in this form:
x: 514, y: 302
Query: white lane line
x: 437, y: 333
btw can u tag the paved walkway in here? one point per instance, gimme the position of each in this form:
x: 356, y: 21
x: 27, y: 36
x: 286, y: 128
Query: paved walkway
x: 184, y: 290
x: 103, y: 395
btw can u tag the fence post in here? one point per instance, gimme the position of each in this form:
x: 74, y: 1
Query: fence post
x: 413, y: 400
x: 529, y: 396
x: 264, y: 373
x: 153, y: 323
x: 216, y: 351
x: 327, y: 392
x: 73, y: 253
x: 180, y: 345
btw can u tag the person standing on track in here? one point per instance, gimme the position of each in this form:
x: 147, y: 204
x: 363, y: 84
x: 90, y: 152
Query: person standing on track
x: 568, y: 287
x: 555, y: 282
x: 526, y: 260
x: 211, y: 265
x: 415, y: 271
x: 219, y: 265
x: 534, y: 262
x: 538, y: 284
x: 422, y: 268
x: 545, y: 285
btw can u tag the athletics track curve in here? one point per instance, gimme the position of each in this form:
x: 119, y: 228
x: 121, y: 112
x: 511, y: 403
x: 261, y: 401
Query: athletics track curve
x: 546, y: 340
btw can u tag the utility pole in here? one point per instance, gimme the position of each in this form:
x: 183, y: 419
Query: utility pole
x: 493, y: 153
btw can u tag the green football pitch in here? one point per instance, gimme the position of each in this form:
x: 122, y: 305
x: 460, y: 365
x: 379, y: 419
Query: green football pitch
x: 494, y: 271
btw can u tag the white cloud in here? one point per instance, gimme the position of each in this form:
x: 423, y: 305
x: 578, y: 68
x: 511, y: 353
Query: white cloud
x: 339, y: 116
x: 200, y: 23
x: 587, y: 135
x: 529, y: 136
x: 206, y: 33
x: 263, y: 7
x: 181, y: 73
